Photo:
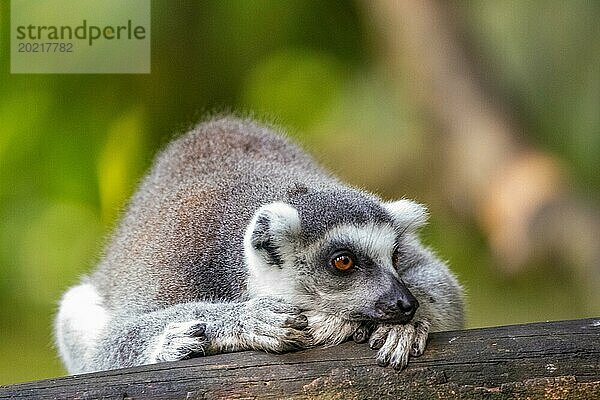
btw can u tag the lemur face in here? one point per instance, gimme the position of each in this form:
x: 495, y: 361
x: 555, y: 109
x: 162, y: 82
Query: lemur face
x: 351, y: 273
x: 336, y: 257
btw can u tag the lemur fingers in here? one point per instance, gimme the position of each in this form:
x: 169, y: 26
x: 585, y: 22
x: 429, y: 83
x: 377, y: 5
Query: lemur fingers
x: 363, y: 332
x: 274, y: 325
x: 397, y: 342
x: 180, y: 340
x: 274, y: 338
x: 420, y: 340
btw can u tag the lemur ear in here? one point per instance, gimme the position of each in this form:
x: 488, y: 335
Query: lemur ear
x: 271, y: 231
x: 407, y: 214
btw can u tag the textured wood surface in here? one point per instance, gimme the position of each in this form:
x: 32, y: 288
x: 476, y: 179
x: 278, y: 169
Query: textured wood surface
x: 553, y: 360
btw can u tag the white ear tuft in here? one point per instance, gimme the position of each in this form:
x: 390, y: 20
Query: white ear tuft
x: 282, y: 217
x: 407, y: 214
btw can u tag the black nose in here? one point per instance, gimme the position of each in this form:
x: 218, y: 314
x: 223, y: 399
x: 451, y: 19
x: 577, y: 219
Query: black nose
x: 398, y: 304
x: 407, y: 306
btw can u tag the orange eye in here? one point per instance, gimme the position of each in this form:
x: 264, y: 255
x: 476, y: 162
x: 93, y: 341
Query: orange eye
x: 343, y: 262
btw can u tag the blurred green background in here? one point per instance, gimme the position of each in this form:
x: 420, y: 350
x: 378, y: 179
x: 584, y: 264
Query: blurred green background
x: 73, y: 147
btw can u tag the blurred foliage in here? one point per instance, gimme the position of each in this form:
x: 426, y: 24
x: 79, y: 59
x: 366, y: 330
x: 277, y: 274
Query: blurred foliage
x: 544, y: 57
x: 73, y: 147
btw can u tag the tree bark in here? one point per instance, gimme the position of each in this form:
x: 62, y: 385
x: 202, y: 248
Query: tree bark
x: 553, y: 360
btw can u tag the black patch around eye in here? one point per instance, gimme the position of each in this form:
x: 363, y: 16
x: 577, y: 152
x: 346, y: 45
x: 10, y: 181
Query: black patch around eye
x: 366, y: 262
x: 362, y: 261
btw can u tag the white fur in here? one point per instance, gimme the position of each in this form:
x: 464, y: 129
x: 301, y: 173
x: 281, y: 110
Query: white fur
x: 79, y: 323
x: 284, y: 218
x: 407, y: 213
x: 328, y: 329
x: 266, y: 281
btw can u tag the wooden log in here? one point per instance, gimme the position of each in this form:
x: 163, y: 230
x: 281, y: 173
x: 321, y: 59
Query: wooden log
x: 551, y: 360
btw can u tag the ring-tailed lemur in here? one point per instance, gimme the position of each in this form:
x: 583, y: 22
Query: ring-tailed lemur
x: 237, y: 240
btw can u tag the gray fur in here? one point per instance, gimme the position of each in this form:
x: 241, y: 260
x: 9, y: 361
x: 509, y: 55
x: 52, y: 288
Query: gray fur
x: 225, y: 246
x: 344, y: 205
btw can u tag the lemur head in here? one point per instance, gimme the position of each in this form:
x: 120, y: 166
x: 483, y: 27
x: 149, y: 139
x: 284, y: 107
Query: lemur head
x: 334, y: 251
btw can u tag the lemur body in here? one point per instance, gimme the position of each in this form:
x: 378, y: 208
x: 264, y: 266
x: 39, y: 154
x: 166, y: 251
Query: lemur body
x: 237, y: 240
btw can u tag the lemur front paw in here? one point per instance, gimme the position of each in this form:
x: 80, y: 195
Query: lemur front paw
x: 274, y: 325
x: 397, y: 342
x: 180, y: 340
